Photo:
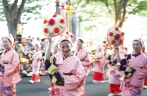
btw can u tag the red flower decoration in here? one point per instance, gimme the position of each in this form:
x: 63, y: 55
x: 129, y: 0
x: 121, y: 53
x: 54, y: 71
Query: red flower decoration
x: 118, y: 36
x: 106, y: 45
x: 45, y: 21
x: 56, y: 30
x: 62, y: 21
x: 66, y: 32
x: 46, y: 30
x: 116, y: 28
x: 120, y: 41
x: 104, y: 41
x: 113, y: 42
x: 55, y: 15
x: 110, y: 33
x: 122, y: 33
x: 71, y: 36
x: 51, y: 22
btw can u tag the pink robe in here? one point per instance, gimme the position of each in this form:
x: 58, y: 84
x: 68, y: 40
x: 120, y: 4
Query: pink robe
x: 84, y: 56
x: 36, y: 62
x: 11, y: 76
x: 114, y: 79
x: 133, y: 85
x: 99, y: 66
x: 114, y: 75
x: 72, y: 83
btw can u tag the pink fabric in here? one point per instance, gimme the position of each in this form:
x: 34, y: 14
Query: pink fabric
x: 100, y: 64
x: 36, y: 62
x: 60, y: 58
x: 134, y: 84
x: 113, y: 75
x: 73, y: 82
x: 11, y: 74
x: 123, y: 52
x: 84, y: 56
x: 7, y: 91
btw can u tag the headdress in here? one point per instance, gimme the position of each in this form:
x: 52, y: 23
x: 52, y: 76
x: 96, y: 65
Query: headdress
x: 140, y: 41
x: 11, y: 38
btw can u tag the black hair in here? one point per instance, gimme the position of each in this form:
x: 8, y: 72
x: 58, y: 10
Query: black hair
x: 81, y: 41
x: 65, y: 40
x: 139, y: 42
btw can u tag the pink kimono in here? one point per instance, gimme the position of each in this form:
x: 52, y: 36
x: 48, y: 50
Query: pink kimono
x: 10, y: 77
x: 36, y: 65
x: 114, y: 79
x: 84, y: 56
x: 73, y: 76
x: 99, y: 67
x: 133, y: 85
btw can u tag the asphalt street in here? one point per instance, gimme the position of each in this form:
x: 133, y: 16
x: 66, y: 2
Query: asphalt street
x: 24, y: 88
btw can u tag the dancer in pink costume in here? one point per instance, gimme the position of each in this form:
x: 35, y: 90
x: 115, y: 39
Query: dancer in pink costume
x: 82, y: 53
x: 70, y: 69
x: 99, y: 76
x: 113, y: 74
x: 84, y: 56
x: 9, y: 67
x: 138, y: 61
x: 36, y: 64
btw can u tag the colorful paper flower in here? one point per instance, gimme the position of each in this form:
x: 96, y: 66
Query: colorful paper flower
x: 45, y: 21
x: 62, y: 21
x: 55, y: 15
x: 116, y: 28
x: 71, y: 36
x: 56, y: 30
x: 51, y: 22
x: 67, y: 33
x: 110, y: 33
x: 113, y: 41
x: 120, y: 41
x: 46, y: 30
x: 118, y: 36
x: 122, y: 33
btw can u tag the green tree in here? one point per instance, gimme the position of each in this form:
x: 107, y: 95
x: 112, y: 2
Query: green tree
x: 118, y: 9
x: 14, y: 9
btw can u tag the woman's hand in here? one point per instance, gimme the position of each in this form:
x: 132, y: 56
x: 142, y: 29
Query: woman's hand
x: 61, y: 74
x: 116, y: 47
x: 49, y: 37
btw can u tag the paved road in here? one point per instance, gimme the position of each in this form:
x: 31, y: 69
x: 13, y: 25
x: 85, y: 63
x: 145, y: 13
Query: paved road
x: 24, y: 88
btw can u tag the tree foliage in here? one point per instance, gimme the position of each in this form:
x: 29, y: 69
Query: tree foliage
x: 120, y: 9
x: 15, y: 11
